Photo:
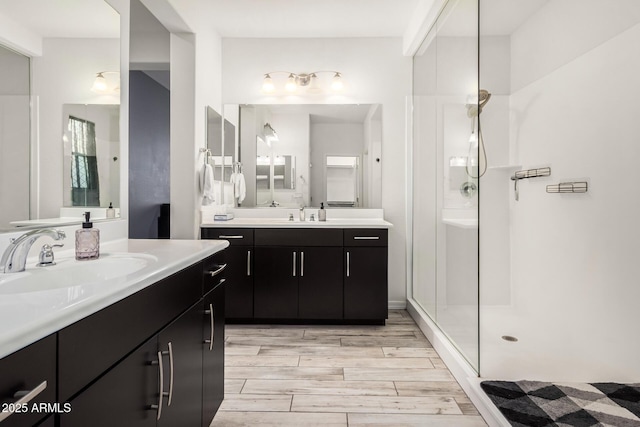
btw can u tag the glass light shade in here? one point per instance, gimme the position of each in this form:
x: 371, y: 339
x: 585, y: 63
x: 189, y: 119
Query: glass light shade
x: 99, y: 84
x: 313, y: 85
x: 336, y: 82
x: 267, y: 84
x: 291, y: 85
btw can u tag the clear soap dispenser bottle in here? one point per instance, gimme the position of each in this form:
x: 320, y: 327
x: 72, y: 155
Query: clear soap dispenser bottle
x: 322, y: 213
x: 111, y: 212
x: 87, y: 240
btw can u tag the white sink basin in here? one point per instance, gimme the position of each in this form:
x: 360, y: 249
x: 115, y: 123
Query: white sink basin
x: 68, y: 273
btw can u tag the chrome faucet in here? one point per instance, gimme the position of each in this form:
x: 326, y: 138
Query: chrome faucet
x: 14, y: 257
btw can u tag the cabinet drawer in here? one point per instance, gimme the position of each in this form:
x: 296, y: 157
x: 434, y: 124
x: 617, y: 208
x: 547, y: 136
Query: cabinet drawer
x: 235, y: 236
x: 102, y: 339
x: 298, y: 237
x: 215, y: 270
x: 365, y: 237
x: 24, y: 371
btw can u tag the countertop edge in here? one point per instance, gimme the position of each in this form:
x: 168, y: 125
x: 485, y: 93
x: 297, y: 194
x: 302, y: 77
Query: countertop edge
x: 55, y: 321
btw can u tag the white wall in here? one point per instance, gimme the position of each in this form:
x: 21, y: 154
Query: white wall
x: 195, y: 83
x: 574, y: 280
x: 374, y: 71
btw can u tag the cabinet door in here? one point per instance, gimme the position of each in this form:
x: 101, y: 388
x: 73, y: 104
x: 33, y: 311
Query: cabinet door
x: 122, y: 397
x: 32, y: 369
x: 213, y: 353
x: 365, y: 283
x: 276, y: 283
x: 182, y: 342
x: 239, y: 274
x: 320, y: 283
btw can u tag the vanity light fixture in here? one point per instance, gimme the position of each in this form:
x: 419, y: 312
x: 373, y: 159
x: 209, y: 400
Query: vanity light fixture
x: 301, y: 80
x: 102, y: 85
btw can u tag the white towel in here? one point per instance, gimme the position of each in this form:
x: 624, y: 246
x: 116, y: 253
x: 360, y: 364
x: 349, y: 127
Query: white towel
x: 239, y: 186
x: 206, y: 181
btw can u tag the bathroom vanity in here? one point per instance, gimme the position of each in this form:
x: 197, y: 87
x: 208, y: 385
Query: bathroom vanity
x: 305, y: 271
x: 142, y: 349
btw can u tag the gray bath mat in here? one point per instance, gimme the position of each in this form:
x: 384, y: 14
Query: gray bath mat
x: 540, y: 404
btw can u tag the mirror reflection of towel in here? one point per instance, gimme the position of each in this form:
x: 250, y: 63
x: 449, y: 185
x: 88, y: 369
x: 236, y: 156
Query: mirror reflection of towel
x: 239, y: 186
x: 206, y: 180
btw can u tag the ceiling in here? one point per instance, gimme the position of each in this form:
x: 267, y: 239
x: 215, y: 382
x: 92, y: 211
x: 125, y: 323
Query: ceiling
x: 274, y: 18
x: 64, y: 18
x: 312, y: 18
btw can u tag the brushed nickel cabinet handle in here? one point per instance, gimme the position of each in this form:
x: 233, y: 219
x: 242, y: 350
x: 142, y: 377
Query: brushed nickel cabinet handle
x: 348, y: 262
x: 219, y: 269
x: 248, y: 263
x: 294, y: 264
x: 23, y: 398
x: 366, y: 238
x: 301, y: 264
x: 170, y: 393
x: 222, y: 236
x: 211, y: 314
x: 161, y: 393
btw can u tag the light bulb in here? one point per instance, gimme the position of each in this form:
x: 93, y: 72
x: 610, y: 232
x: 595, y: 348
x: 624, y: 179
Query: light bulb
x: 267, y: 84
x: 99, y: 84
x: 336, y: 83
x: 291, y: 85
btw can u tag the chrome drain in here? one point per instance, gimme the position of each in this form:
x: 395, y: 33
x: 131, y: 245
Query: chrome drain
x: 509, y: 338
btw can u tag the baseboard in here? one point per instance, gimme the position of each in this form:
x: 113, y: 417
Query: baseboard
x: 397, y: 305
x: 459, y: 367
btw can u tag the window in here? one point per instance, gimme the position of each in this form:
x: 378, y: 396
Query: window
x: 85, y: 189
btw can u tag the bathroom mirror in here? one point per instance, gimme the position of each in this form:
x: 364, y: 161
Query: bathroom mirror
x: 91, y: 155
x: 289, y: 163
x: 214, y: 142
x: 64, y: 45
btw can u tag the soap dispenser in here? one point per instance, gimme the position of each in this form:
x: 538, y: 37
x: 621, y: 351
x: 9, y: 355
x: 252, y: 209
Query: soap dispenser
x: 111, y: 212
x: 87, y: 240
x: 322, y: 213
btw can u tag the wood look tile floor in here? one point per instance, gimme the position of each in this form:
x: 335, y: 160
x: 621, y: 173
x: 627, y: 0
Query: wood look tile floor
x: 282, y: 375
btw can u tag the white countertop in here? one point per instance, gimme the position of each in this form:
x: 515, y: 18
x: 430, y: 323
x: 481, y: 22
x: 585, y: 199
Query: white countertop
x: 284, y: 223
x: 30, y: 316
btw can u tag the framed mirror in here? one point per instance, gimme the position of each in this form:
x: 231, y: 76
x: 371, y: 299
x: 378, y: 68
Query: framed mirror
x: 305, y: 154
x: 62, y: 48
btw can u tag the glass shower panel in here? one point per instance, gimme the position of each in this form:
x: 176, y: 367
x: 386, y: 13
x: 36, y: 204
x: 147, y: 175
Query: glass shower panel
x: 15, y: 136
x: 446, y: 176
x: 457, y: 171
x: 424, y: 175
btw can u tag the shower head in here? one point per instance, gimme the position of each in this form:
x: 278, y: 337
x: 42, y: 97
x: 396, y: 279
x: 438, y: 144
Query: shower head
x: 475, y: 108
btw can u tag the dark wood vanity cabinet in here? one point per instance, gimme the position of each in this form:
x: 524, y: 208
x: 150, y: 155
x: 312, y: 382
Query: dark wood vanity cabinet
x: 25, y: 373
x: 314, y: 274
x: 155, y: 358
x: 365, y: 276
x: 213, y: 308
x: 240, y: 269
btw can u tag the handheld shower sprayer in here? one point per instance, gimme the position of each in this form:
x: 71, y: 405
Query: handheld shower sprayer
x: 476, y: 142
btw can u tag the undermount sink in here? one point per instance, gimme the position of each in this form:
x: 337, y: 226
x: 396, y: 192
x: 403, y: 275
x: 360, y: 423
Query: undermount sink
x: 68, y: 273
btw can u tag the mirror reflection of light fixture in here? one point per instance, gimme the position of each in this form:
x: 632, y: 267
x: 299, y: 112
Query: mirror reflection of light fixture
x: 101, y: 84
x: 270, y: 134
x: 296, y: 81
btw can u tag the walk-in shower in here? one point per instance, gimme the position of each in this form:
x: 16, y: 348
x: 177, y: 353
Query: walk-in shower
x: 543, y: 288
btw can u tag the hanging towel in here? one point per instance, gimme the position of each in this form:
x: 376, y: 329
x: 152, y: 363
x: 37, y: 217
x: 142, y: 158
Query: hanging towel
x: 206, y: 180
x: 239, y: 186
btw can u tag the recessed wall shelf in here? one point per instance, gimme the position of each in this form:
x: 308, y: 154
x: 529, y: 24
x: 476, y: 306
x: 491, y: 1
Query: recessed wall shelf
x: 568, y: 187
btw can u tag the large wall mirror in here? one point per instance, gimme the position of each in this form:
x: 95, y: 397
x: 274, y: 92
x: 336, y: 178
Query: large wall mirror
x: 56, y: 51
x: 304, y: 155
